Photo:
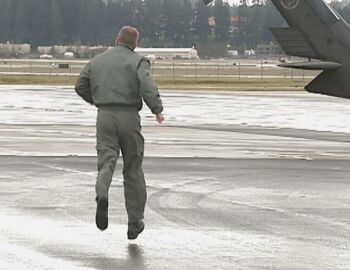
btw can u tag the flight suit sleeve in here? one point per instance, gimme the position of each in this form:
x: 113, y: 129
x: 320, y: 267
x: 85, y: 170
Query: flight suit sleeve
x: 148, y: 88
x: 82, y: 85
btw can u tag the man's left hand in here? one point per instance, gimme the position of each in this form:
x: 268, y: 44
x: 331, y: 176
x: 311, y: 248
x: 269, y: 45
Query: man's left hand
x: 160, y: 118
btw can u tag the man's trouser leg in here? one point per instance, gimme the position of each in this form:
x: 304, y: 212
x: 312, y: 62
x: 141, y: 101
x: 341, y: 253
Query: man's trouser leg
x: 132, y: 147
x: 107, y: 150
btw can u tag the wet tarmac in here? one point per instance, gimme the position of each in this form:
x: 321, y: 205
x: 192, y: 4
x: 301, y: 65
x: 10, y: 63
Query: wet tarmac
x: 229, y: 187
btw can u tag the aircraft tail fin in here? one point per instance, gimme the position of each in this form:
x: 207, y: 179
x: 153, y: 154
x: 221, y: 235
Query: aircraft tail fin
x: 330, y: 82
x: 293, y: 42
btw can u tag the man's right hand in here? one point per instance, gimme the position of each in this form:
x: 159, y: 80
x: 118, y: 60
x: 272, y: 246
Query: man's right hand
x: 160, y: 118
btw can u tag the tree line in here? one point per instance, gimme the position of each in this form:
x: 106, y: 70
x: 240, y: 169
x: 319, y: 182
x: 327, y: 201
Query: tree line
x: 162, y: 23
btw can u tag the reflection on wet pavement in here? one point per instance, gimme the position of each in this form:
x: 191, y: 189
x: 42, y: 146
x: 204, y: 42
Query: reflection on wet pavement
x: 252, y: 190
x: 135, y: 257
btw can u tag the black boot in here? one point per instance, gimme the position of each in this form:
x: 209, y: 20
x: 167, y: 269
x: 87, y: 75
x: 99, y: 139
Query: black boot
x: 102, y: 213
x: 135, y: 228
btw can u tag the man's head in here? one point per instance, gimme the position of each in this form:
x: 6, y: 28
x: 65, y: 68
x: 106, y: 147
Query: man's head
x: 128, y: 36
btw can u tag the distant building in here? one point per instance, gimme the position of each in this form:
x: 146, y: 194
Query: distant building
x: 172, y: 53
x: 55, y: 50
x: 95, y: 50
x: 79, y: 51
x: 59, y: 49
x: 267, y: 49
x: 249, y: 52
x: 86, y: 51
x: 232, y: 53
x: 44, y: 49
x: 14, y: 49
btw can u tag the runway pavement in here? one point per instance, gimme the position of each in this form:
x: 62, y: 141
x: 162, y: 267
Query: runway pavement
x: 241, y: 184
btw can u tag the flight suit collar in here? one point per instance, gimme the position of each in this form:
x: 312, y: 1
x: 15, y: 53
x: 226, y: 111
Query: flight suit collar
x: 125, y: 46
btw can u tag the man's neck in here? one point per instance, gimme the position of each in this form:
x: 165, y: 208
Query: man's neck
x: 126, y: 46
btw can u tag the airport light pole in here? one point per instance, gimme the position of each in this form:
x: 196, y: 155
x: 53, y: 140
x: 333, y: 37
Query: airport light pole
x: 218, y: 71
x: 195, y: 68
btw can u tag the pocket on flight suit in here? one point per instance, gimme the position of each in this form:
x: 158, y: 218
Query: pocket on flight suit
x: 131, y: 140
x: 106, y: 131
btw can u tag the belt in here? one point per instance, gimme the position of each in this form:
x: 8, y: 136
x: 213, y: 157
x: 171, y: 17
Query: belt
x: 118, y: 107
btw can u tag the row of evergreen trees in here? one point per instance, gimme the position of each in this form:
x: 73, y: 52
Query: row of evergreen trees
x: 162, y: 23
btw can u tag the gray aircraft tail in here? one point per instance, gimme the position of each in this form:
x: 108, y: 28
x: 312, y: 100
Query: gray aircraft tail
x: 330, y: 82
x: 293, y: 42
x: 316, y: 31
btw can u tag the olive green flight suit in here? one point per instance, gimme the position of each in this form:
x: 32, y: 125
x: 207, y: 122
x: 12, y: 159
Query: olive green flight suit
x: 116, y: 81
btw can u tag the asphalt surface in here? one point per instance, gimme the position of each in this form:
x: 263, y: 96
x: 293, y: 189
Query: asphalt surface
x: 233, y: 196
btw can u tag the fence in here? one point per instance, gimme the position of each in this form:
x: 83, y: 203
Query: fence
x: 167, y: 69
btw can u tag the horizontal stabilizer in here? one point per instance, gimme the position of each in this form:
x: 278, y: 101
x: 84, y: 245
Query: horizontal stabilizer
x: 332, y: 83
x: 313, y: 65
x: 293, y: 42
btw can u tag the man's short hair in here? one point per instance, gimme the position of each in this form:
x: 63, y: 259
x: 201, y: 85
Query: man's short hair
x: 128, y: 36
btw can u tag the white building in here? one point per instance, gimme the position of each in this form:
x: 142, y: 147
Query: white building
x: 14, y: 49
x: 183, y: 53
x: 55, y: 50
x: 59, y: 49
x: 45, y: 49
x: 250, y: 52
x: 232, y: 53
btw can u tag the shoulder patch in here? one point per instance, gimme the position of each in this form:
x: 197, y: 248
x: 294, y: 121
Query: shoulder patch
x: 146, y: 59
x: 143, y: 59
x: 290, y: 4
